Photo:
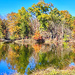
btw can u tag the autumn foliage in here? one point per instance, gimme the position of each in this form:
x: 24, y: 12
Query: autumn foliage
x: 37, y: 35
x: 37, y: 47
x: 42, y: 17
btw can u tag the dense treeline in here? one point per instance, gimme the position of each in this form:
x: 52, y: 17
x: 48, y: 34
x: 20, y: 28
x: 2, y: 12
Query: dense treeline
x: 41, y: 17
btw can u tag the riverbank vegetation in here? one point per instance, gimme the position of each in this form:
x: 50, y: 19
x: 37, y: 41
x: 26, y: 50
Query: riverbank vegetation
x: 41, y: 20
x: 42, y: 23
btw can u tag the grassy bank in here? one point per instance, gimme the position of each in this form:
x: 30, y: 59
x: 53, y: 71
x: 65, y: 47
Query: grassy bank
x: 50, y: 71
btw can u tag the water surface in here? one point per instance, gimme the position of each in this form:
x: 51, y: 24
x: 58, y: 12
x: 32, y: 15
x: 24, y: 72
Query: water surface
x: 20, y: 59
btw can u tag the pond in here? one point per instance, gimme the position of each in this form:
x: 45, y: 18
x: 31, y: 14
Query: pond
x: 23, y: 59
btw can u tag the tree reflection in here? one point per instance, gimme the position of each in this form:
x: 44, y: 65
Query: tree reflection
x: 54, y: 59
x: 73, y: 47
x: 3, y: 51
x: 37, y: 47
x: 17, y: 56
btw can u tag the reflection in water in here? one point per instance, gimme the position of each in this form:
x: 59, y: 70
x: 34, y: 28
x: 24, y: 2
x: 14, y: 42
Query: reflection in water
x: 17, y: 56
x: 4, y: 68
x: 20, y: 58
x: 31, y: 65
x: 37, y: 47
x: 72, y: 64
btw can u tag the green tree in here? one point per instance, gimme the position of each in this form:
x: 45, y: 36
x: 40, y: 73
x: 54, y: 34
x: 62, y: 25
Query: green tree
x: 5, y: 28
x: 1, y: 34
x: 24, y: 20
x: 41, y: 11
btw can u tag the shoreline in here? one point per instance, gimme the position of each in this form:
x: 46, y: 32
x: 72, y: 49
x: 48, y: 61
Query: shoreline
x: 32, y: 41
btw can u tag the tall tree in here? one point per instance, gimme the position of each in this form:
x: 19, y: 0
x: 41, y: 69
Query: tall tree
x: 24, y: 20
x: 13, y: 28
x: 73, y: 28
x: 41, y: 11
x: 5, y: 28
x: 1, y: 30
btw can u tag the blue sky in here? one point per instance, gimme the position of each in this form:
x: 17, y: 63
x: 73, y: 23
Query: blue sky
x: 8, y: 6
